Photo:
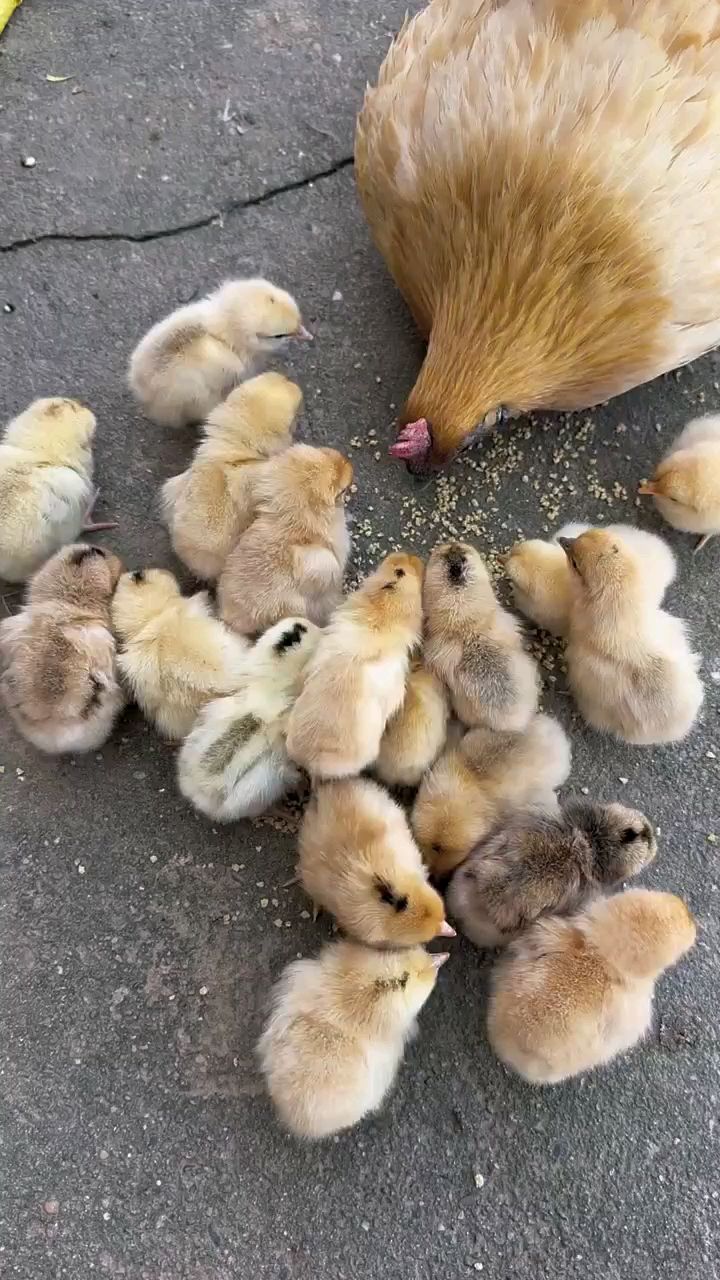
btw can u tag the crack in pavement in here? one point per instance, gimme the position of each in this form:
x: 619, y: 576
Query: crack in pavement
x: 165, y: 233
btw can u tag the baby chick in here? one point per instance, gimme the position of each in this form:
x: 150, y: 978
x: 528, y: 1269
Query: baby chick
x: 335, y: 1038
x: 473, y: 644
x: 630, y: 666
x: 543, y: 583
x: 233, y: 763
x: 359, y: 861
x: 207, y: 507
x: 59, y: 681
x: 356, y: 679
x: 46, y: 490
x: 686, y: 484
x: 416, y: 733
x: 188, y: 362
x: 540, y: 861
x: 175, y: 656
x: 571, y: 994
x: 292, y: 558
x: 472, y: 785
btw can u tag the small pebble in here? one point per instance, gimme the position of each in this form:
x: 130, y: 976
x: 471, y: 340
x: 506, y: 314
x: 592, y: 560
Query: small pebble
x: 203, y: 991
x: 624, y: 781
x: 51, y: 1207
x: 29, y: 162
x: 479, y: 1181
x: 337, y: 296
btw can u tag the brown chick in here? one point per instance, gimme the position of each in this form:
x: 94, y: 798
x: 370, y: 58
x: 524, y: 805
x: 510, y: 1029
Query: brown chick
x: 542, y: 181
x: 630, y: 665
x: 58, y: 655
x: 472, y: 785
x: 416, y: 734
x: 292, y: 559
x: 686, y: 484
x: 571, y: 994
x: 356, y: 680
x: 541, y: 861
x: 358, y: 860
x: 473, y: 644
x: 335, y: 1038
x: 207, y: 507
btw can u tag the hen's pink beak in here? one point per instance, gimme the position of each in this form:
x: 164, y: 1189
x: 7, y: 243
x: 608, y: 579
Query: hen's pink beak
x: 413, y: 440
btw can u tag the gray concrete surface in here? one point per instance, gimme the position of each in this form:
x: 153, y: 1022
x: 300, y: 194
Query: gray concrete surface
x: 136, y: 954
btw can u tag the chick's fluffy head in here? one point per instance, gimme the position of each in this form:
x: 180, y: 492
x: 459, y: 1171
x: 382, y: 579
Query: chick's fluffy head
x: 80, y: 574
x: 260, y: 310
x: 641, y: 932
x: 601, y: 561
x: 455, y: 571
x: 449, y: 815
x: 263, y: 408
x: 52, y: 419
x: 142, y: 595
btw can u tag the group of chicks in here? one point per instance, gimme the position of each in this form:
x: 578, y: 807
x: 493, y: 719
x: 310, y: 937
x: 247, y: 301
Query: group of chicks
x: 419, y: 676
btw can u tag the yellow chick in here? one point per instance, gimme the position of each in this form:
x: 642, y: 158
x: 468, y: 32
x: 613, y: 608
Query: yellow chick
x: 175, y: 656
x: 233, y: 763
x: 540, y: 861
x: 188, y: 362
x: 207, y: 507
x: 543, y: 582
x: 46, y: 489
x: 473, y: 644
x: 474, y: 784
x: 686, y: 484
x: 573, y: 993
x: 630, y: 666
x: 292, y: 558
x: 356, y: 680
x: 416, y: 734
x: 59, y: 680
x: 334, y: 1041
x: 358, y: 860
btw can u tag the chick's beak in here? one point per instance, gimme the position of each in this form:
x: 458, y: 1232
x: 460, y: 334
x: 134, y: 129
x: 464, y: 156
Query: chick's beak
x: 567, y: 545
x: 302, y: 334
x: 446, y: 931
x: 647, y: 487
x: 438, y: 958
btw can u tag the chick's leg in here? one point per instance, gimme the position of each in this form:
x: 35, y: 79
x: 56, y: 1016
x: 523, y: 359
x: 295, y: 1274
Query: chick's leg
x: 91, y: 526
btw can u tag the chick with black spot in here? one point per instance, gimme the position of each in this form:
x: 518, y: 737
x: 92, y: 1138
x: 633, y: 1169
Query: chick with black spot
x: 540, y: 862
x: 456, y: 561
x: 293, y: 636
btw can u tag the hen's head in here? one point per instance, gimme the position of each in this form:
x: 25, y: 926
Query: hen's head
x: 427, y: 447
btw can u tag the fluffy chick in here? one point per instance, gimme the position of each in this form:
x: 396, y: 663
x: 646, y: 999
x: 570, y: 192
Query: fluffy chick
x: 571, y: 994
x: 686, y: 484
x: 46, y: 489
x: 543, y: 583
x: 59, y: 682
x: 416, y: 734
x: 356, y: 679
x: 335, y: 1038
x: 630, y: 666
x: 358, y: 860
x: 233, y: 763
x: 188, y: 362
x: 473, y: 784
x: 207, y: 507
x: 473, y: 644
x: 175, y: 656
x: 539, y: 862
x: 292, y: 558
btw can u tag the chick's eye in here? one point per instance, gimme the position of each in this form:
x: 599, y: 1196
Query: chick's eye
x: 628, y: 835
x: 138, y: 576
x: 399, y: 573
x: 436, y: 848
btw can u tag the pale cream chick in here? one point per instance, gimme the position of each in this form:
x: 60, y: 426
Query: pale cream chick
x: 573, y: 993
x: 356, y: 680
x: 233, y: 763
x: 543, y: 582
x: 188, y: 362
x: 359, y: 861
x: 292, y: 558
x: 539, y: 861
x: 335, y: 1038
x: 46, y: 488
x: 471, y: 786
x: 542, y: 179
x: 58, y: 657
x: 630, y: 665
x: 686, y: 484
x: 474, y: 645
x: 416, y: 734
x: 174, y: 655
x: 207, y: 507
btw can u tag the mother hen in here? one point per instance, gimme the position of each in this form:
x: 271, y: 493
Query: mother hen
x: 543, y: 179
